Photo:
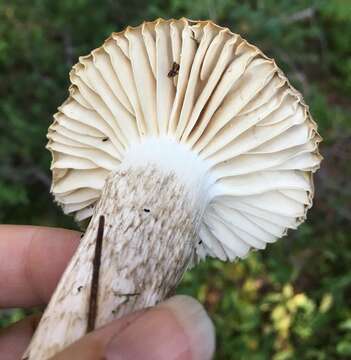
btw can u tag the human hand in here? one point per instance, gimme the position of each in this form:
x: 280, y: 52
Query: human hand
x: 32, y: 260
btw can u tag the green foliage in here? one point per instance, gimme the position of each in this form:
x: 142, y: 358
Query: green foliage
x: 292, y: 301
x: 9, y: 317
x: 272, y: 306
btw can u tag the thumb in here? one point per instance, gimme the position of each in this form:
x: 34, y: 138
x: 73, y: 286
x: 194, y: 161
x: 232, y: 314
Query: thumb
x: 178, y: 328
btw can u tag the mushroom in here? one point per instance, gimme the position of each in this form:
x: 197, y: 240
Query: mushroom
x: 179, y: 140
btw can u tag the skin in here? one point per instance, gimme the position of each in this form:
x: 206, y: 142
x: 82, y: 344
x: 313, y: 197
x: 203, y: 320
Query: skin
x: 32, y: 260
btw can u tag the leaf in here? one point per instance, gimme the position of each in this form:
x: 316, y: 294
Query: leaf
x: 344, y: 347
x: 326, y: 303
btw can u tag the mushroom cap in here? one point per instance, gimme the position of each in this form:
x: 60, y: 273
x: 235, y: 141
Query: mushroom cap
x: 208, y: 90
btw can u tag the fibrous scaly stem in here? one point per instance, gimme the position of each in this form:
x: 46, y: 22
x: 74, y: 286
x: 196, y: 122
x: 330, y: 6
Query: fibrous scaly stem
x: 150, y: 232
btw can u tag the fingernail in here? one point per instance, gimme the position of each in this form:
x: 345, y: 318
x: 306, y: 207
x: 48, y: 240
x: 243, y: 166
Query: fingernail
x: 196, y: 323
x: 178, y: 329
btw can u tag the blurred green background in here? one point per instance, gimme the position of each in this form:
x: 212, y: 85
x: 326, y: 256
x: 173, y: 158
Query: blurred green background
x: 292, y: 301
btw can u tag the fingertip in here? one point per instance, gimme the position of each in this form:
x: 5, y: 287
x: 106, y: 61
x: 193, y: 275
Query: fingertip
x: 196, y: 323
x: 15, y: 338
x: 32, y: 259
x: 178, y: 329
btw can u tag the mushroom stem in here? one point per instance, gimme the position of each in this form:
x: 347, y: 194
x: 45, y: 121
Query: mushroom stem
x: 149, y: 238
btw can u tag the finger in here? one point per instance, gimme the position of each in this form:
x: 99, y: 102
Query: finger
x: 176, y: 329
x: 32, y: 259
x: 15, y: 339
